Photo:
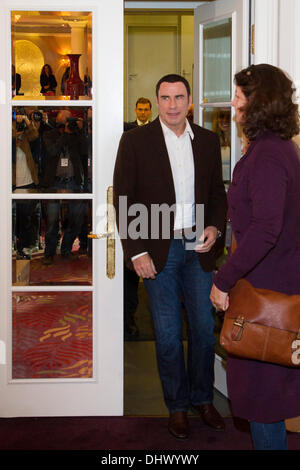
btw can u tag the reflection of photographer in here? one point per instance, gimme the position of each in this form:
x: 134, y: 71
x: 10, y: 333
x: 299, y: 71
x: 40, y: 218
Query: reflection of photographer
x: 65, y: 150
x: 24, y: 167
x: 38, y: 119
x: 25, y: 177
x: 84, y: 242
x: 222, y: 126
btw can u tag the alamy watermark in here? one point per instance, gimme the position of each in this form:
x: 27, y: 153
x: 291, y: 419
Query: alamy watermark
x: 137, y: 221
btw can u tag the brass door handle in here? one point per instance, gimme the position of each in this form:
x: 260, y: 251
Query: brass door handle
x: 100, y: 235
x: 109, y: 235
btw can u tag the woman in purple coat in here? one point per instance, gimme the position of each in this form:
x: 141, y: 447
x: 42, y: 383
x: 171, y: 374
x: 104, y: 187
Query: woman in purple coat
x: 264, y: 208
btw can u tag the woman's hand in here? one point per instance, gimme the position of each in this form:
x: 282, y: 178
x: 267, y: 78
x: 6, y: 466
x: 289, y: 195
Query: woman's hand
x: 219, y: 299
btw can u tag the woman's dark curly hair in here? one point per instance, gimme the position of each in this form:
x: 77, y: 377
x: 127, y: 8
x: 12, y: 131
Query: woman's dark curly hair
x: 271, y: 105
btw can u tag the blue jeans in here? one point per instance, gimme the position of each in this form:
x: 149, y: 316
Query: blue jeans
x: 269, y: 436
x: 182, y: 279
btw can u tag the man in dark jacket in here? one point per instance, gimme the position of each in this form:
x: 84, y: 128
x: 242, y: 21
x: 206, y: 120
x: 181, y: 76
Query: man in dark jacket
x: 171, y: 163
x: 143, y: 109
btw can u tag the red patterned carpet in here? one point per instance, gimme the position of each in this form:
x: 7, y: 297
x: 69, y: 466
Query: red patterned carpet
x: 52, y: 335
x: 61, y: 272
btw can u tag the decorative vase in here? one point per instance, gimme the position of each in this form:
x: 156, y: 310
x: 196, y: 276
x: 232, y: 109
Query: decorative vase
x: 74, y: 84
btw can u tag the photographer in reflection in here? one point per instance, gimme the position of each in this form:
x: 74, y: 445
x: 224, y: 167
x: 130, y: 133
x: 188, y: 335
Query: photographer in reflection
x: 85, y: 244
x: 38, y: 118
x: 66, y: 149
x: 24, y: 178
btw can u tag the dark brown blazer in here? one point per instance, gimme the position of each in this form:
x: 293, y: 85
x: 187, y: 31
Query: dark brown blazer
x: 143, y: 174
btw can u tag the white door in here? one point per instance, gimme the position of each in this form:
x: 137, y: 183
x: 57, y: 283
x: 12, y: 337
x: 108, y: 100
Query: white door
x: 61, y: 330
x: 221, y: 49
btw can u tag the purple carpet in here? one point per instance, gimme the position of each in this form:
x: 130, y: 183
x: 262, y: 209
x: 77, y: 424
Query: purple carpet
x: 121, y: 433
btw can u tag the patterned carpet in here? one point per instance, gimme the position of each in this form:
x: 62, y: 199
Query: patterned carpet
x: 61, y: 272
x: 52, y: 335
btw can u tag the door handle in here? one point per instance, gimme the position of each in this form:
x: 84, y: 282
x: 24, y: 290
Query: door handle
x: 109, y: 235
x: 100, y: 235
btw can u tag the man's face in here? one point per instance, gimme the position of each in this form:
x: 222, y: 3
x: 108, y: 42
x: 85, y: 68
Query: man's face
x: 173, y: 104
x: 143, y: 112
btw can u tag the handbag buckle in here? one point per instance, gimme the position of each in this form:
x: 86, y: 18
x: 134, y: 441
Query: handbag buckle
x: 296, y: 342
x: 238, y: 327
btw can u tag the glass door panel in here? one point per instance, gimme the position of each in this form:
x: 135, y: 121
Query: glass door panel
x: 218, y: 119
x: 216, y: 89
x: 217, y: 61
x: 52, y: 335
x: 50, y: 242
x: 52, y: 149
x: 51, y: 55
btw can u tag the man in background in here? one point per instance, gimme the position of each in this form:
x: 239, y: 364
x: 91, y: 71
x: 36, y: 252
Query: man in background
x: 143, y: 110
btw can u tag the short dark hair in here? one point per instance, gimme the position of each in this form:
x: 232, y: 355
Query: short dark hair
x: 173, y: 78
x: 270, y: 101
x: 143, y: 101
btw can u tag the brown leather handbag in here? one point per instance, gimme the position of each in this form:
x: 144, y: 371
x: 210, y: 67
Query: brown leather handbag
x: 262, y: 324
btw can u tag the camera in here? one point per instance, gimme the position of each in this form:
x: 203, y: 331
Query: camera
x: 37, y: 116
x: 72, y: 124
x: 20, y: 126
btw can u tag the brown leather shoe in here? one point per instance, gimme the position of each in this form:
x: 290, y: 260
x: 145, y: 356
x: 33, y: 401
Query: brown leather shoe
x: 178, y: 425
x: 210, y: 416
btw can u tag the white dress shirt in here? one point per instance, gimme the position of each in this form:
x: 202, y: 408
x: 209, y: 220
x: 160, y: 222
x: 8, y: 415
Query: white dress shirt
x: 140, y: 123
x: 182, y: 165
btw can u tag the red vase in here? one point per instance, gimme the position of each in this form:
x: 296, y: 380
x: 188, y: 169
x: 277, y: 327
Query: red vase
x: 74, y: 84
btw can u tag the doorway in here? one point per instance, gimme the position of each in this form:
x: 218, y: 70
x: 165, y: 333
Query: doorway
x: 156, y: 43
x: 213, y: 38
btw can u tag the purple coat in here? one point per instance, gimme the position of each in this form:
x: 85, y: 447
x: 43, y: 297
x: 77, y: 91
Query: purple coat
x: 264, y: 208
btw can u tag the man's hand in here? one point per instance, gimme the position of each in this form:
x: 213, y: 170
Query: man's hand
x: 219, y: 299
x: 21, y: 117
x: 144, y: 267
x: 207, y: 239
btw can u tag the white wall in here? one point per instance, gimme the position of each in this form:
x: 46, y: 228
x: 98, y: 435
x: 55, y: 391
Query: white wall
x: 289, y: 42
x: 187, y: 47
x: 183, y: 24
x: 277, y: 37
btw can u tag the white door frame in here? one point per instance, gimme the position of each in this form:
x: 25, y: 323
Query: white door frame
x: 238, y: 11
x: 277, y: 36
x: 103, y: 394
